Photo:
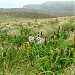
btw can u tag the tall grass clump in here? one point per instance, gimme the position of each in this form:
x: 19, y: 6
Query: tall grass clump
x: 32, y: 53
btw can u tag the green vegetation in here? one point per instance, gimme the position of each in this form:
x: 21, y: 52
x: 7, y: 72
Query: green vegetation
x: 19, y: 56
x: 25, y: 14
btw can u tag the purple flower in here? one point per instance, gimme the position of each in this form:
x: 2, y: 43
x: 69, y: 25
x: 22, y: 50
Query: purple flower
x: 40, y: 40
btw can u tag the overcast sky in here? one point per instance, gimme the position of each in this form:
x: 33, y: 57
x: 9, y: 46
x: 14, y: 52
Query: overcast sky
x: 20, y: 3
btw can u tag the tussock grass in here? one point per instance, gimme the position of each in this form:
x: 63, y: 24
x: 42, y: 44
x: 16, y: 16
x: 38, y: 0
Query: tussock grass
x: 53, y: 57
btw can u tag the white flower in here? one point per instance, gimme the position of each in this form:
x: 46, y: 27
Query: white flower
x: 38, y: 38
x: 31, y: 39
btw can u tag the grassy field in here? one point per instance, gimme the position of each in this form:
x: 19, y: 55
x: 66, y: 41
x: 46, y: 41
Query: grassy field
x: 37, y: 46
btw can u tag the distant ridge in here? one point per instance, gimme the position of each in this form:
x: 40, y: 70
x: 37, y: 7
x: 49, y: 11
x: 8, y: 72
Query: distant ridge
x: 45, y: 10
x: 65, y: 8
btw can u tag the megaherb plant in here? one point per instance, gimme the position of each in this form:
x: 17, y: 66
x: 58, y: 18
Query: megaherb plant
x: 35, y: 54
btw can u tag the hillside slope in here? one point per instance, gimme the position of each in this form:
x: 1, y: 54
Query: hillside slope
x: 56, y: 7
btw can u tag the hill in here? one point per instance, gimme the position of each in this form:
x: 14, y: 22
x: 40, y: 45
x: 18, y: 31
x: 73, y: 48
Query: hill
x: 54, y: 7
x: 23, y: 14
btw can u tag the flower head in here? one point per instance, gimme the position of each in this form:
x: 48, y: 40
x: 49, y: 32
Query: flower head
x: 31, y: 39
x: 40, y: 40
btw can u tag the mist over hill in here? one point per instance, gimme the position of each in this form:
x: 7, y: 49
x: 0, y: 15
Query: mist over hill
x: 65, y: 8
x: 47, y: 9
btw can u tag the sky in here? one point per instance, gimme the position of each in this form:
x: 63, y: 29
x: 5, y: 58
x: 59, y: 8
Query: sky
x: 20, y: 3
